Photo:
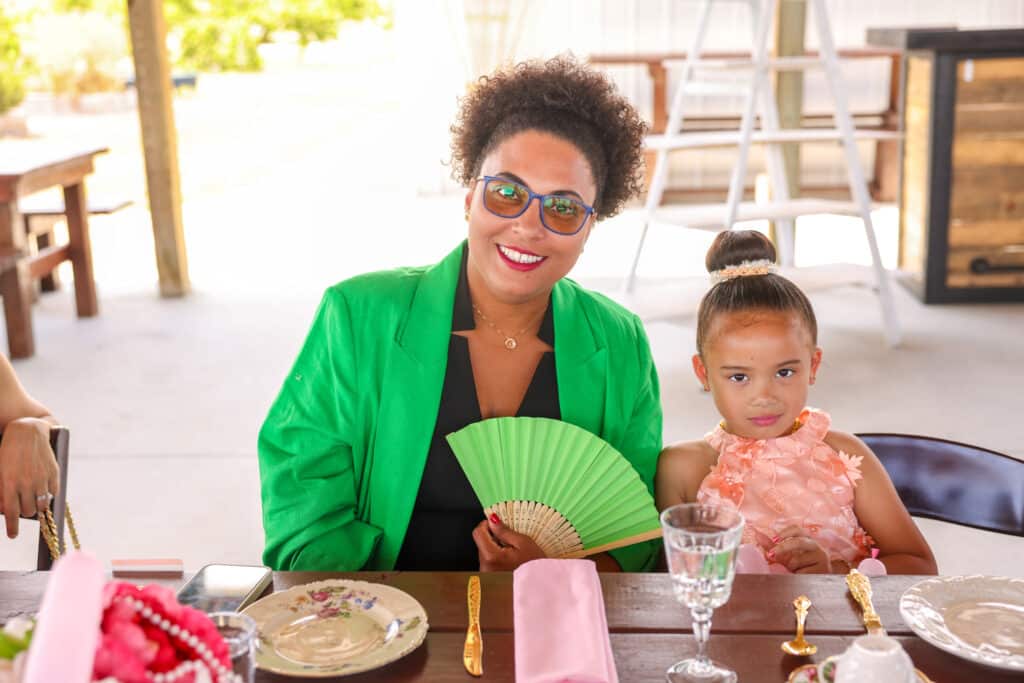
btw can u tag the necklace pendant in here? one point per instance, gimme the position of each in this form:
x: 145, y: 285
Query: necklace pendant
x: 511, y: 343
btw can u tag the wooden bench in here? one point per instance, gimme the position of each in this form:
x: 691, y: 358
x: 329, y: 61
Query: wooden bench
x: 883, y: 186
x: 42, y: 231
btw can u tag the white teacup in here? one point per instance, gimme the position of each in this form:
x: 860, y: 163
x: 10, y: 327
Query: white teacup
x: 875, y: 659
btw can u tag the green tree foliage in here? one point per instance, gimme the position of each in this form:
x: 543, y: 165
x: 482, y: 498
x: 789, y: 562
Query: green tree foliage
x: 224, y: 34
x: 13, y: 65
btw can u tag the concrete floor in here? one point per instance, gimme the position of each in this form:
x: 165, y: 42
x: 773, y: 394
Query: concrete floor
x: 164, y: 397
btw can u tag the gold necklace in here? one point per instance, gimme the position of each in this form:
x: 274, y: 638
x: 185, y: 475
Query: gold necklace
x: 511, y: 343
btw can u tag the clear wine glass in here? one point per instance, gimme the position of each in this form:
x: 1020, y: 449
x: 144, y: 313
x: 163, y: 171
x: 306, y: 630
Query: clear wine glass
x: 700, y: 546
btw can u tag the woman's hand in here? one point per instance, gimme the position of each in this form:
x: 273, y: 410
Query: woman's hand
x: 28, y: 470
x: 799, y: 553
x: 501, y: 549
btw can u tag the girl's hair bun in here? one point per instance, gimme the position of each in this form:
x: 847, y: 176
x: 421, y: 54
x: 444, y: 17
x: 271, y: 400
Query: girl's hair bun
x: 733, y: 247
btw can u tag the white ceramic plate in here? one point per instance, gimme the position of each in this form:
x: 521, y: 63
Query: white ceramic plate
x: 978, y: 618
x: 335, y: 628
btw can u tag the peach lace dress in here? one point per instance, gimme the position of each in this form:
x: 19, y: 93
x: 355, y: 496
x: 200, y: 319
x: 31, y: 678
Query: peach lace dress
x: 795, y: 479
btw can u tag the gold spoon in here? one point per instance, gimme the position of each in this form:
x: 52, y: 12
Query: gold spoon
x: 798, y: 646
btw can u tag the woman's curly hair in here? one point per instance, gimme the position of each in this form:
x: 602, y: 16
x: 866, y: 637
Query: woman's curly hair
x: 563, y: 97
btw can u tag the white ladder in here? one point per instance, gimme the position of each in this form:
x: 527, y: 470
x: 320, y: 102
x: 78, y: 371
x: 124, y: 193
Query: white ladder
x: 782, y: 208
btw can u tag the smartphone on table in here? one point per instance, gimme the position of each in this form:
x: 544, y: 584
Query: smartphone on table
x: 225, y: 587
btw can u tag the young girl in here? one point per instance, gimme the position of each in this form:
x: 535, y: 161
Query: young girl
x: 815, y: 500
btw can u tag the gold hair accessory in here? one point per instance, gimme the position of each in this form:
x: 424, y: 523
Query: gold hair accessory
x: 744, y: 269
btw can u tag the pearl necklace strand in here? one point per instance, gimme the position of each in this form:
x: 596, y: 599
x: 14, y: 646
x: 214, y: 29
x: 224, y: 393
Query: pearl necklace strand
x: 208, y: 660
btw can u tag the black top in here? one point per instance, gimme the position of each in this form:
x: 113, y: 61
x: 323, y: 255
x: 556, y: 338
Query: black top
x: 446, y: 510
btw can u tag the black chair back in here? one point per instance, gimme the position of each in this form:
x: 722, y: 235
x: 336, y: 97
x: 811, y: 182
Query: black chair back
x: 954, y: 482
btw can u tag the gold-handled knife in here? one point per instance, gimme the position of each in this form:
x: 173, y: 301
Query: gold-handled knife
x: 860, y: 589
x: 473, y: 652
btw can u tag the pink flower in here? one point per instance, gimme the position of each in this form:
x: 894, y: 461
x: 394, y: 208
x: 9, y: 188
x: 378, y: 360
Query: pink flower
x: 163, y: 599
x: 851, y: 465
x: 132, y: 648
x: 328, y: 612
x: 133, y: 637
x: 165, y: 657
x: 320, y: 596
x: 116, y: 658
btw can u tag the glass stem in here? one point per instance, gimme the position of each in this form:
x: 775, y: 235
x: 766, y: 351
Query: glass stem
x: 701, y: 631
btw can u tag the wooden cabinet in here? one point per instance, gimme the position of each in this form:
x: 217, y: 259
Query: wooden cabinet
x: 962, y: 166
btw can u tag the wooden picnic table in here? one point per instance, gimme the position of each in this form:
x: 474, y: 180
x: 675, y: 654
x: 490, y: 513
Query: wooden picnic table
x: 27, y: 167
x: 649, y: 629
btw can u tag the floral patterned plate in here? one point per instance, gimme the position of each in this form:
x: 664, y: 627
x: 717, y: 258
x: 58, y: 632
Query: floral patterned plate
x: 335, y: 628
x: 825, y: 672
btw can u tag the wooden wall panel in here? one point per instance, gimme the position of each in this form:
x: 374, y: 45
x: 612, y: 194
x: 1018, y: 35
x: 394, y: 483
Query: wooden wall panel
x: 986, y: 217
x: 916, y: 161
x: 985, y: 233
x: 960, y: 274
x: 988, y: 150
x: 990, y: 80
x: 989, y: 118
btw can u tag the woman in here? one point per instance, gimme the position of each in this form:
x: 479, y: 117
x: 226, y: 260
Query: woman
x: 29, y: 477
x: 355, y: 470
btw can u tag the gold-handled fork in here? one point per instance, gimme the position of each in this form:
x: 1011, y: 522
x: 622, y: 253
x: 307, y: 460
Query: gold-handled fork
x: 799, y: 645
x: 860, y: 589
x: 473, y: 651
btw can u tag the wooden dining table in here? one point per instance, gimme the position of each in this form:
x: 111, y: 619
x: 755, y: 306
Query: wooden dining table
x: 27, y: 167
x: 649, y: 629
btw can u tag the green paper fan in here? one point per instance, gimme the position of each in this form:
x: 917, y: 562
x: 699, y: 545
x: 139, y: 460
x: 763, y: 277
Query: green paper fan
x: 565, y: 488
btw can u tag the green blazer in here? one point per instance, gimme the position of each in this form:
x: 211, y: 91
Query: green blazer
x: 343, y: 448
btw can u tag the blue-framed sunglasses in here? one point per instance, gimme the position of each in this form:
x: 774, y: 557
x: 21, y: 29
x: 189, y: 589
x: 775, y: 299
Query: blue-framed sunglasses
x: 561, y: 214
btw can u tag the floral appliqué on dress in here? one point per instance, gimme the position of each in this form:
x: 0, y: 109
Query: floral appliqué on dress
x: 795, y: 479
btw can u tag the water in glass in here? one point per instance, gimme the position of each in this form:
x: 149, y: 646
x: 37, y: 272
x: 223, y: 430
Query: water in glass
x: 700, y: 546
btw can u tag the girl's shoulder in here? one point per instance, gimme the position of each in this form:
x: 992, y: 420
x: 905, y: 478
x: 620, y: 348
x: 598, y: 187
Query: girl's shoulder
x: 688, y: 451
x: 681, y: 469
x: 844, y: 442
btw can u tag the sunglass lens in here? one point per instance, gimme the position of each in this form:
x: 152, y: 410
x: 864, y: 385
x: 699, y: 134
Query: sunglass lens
x: 505, y: 198
x: 563, y: 214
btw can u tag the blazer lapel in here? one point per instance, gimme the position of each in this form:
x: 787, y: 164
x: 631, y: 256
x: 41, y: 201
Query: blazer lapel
x: 410, y: 398
x: 581, y: 361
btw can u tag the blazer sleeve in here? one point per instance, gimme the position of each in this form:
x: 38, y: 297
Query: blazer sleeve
x: 308, y: 475
x: 641, y: 445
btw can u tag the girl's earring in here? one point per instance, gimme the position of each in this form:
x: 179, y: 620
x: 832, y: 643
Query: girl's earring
x: 467, y: 214
x: 707, y: 388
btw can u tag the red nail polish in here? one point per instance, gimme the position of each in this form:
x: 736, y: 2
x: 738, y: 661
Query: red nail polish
x: 776, y: 539
x: 771, y: 554
x: 494, y: 518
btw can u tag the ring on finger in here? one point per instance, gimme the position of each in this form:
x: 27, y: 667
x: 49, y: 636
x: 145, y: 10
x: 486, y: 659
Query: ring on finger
x: 45, y: 497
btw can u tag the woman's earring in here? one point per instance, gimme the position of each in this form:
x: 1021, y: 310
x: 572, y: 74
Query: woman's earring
x: 707, y: 388
x: 467, y: 214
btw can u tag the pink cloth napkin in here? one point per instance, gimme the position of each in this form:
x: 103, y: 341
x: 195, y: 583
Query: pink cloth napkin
x: 561, y: 632
x: 68, y: 624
